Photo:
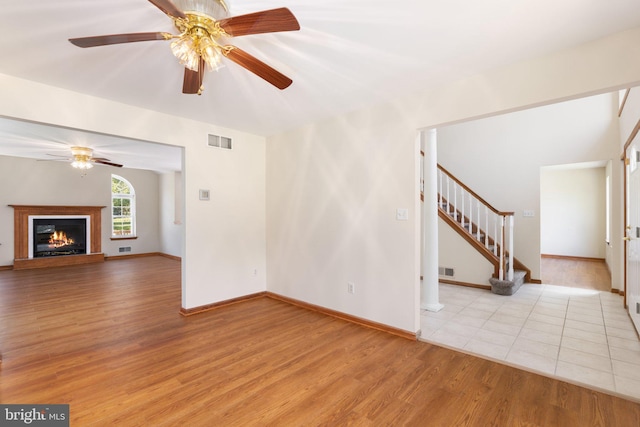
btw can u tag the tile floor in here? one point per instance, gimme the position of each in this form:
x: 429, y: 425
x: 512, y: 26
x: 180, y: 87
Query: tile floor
x: 581, y: 336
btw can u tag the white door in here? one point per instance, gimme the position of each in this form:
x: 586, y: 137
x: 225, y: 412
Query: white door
x: 633, y: 232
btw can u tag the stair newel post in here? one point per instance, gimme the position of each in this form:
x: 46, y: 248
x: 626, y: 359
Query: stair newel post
x: 422, y: 174
x: 495, y: 234
x: 502, y: 228
x: 510, y: 272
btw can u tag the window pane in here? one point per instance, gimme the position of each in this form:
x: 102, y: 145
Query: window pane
x: 119, y: 187
x: 123, y: 207
x: 122, y: 226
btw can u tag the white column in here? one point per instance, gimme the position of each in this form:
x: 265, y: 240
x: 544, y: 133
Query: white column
x: 429, y: 295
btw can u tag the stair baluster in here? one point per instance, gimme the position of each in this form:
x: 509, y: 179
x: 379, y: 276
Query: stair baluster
x: 470, y: 213
x: 486, y: 227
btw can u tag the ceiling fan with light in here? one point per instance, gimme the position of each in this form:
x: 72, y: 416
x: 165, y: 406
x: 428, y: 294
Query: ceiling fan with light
x: 82, y: 158
x: 202, y: 26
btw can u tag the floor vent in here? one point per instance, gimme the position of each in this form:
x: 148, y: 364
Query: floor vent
x: 124, y: 249
x: 446, y: 271
x: 219, y: 141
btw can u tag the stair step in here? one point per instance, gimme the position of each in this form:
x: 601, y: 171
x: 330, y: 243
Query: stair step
x: 508, y: 287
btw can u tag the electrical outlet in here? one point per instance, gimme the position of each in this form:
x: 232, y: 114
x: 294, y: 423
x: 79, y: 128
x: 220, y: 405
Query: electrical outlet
x: 351, y: 288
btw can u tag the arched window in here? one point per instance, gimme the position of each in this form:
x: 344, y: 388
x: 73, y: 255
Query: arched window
x: 123, y: 208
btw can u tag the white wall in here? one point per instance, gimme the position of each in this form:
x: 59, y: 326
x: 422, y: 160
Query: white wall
x: 630, y: 115
x: 171, y: 213
x: 32, y: 182
x: 333, y: 191
x: 226, y: 238
x: 615, y: 221
x: 500, y: 157
x: 572, y: 212
x: 455, y: 252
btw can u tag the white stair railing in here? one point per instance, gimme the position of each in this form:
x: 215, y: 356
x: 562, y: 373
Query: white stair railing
x: 470, y: 210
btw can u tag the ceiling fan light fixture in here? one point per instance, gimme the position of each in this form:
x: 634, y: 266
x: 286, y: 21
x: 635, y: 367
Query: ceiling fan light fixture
x: 210, y: 53
x: 184, y: 48
x: 82, y: 157
x: 197, y: 40
x: 80, y: 163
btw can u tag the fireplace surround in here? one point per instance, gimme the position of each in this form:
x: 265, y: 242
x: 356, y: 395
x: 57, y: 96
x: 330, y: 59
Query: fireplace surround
x: 25, y: 245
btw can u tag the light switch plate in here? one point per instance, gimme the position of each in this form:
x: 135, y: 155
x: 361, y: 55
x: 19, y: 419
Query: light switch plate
x: 528, y: 213
x: 402, y: 214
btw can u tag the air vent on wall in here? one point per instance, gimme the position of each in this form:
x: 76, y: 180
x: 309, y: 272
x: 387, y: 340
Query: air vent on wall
x: 446, y: 271
x: 219, y: 141
x: 124, y: 249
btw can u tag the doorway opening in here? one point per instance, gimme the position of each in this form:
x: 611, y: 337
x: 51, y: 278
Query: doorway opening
x: 574, y: 225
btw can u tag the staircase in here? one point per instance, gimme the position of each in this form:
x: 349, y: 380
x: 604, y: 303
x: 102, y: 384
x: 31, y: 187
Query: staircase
x: 485, y: 228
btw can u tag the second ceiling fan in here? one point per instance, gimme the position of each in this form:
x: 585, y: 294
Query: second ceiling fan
x: 202, y: 25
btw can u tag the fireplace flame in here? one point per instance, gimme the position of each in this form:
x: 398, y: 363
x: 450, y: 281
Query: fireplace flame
x: 59, y: 238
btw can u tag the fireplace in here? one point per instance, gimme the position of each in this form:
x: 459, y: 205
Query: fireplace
x: 36, y: 244
x: 57, y: 236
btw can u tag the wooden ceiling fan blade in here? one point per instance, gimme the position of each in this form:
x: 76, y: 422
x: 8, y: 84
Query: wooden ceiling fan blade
x: 168, y: 8
x: 193, y: 79
x: 117, y: 39
x: 268, y: 21
x: 104, y: 162
x: 257, y: 67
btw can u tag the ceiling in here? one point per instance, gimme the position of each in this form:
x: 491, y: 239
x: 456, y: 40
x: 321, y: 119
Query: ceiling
x: 52, y: 143
x: 348, y: 54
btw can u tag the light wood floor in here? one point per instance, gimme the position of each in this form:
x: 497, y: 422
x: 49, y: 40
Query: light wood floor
x: 108, y: 340
x: 575, y: 273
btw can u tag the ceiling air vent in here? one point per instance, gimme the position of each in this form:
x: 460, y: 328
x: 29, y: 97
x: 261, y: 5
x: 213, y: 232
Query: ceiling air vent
x: 219, y: 141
